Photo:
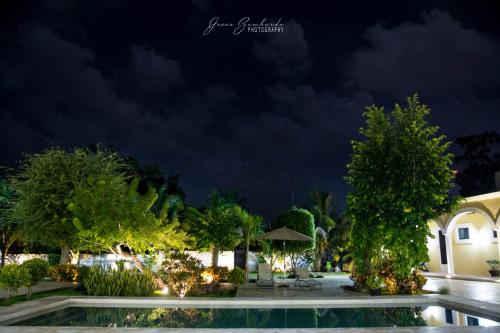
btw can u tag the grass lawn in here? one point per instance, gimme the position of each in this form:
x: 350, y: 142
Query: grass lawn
x: 59, y: 292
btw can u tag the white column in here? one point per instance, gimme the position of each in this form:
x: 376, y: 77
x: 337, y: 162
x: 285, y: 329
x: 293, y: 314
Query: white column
x: 449, y: 253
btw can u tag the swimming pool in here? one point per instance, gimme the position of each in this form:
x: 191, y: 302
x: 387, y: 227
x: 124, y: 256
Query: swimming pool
x: 190, y: 317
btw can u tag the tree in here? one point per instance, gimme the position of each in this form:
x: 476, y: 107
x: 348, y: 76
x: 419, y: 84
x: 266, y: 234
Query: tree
x: 300, y: 220
x: 321, y: 210
x: 110, y: 214
x: 480, y: 162
x: 401, y: 178
x: 8, y: 225
x: 339, y: 239
x: 216, y: 226
x: 44, y: 186
x: 251, y: 225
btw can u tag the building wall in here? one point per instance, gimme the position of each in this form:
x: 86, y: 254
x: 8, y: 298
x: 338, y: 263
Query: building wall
x: 434, y: 264
x: 470, y: 257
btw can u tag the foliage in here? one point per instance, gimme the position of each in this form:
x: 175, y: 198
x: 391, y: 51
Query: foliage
x: 64, y: 272
x: 111, y: 214
x: 181, y: 273
x: 494, y: 264
x: 53, y: 259
x: 216, y: 226
x: 38, y: 269
x: 374, y: 281
x: 339, y: 240
x: 8, y: 224
x: 300, y: 220
x: 45, y: 184
x: 444, y: 290
x: 322, y: 211
x: 479, y: 162
x: 237, y: 275
x: 120, y: 282
x: 216, y: 274
x: 13, y: 277
x: 251, y: 226
x: 401, y: 178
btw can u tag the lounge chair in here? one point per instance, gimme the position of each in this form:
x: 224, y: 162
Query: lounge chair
x: 265, y: 276
x: 303, y: 279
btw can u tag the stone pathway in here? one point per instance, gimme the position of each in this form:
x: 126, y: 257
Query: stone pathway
x: 331, y: 287
x: 40, y: 287
x: 480, y: 291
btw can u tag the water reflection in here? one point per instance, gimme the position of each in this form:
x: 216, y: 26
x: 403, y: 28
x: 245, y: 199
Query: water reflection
x: 231, y: 317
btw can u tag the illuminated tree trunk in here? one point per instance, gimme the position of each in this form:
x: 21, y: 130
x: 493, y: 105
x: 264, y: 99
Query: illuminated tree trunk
x: 65, y: 257
x: 317, y: 261
x: 215, y: 256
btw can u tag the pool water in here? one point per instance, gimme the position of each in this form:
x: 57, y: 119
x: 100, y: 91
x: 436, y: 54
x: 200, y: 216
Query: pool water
x: 253, y: 318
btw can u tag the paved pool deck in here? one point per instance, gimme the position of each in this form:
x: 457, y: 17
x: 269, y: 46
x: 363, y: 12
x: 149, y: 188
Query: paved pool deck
x: 479, y: 291
x: 331, y: 286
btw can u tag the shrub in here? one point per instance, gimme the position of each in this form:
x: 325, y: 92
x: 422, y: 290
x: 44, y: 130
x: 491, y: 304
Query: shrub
x: 53, y: 259
x: 444, y: 290
x: 494, y: 264
x: 181, y: 273
x: 215, y: 274
x: 64, y: 272
x: 374, y: 281
x: 120, y: 282
x: 38, y: 269
x: 13, y: 277
x: 237, y: 275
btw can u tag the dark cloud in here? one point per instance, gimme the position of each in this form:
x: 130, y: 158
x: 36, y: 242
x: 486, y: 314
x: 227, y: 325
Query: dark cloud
x: 154, y: 73
x: 54, y: 86
x: 436, y: 56
x: 287, y: 53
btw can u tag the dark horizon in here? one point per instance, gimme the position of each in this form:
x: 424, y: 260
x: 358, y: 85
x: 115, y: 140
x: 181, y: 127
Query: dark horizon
x: 240, y: 112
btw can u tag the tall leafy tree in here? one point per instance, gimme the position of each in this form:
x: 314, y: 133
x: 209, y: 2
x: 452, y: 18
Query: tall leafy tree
x: 8, y: 225
x: 401, y: 178
x: 216, y: 226
x: 322, y: 210
x: 251, y: 226
x: 300, y: 220
x: 44, y: 186
x: 109, y: 214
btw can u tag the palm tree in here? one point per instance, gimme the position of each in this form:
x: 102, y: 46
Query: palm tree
x: 251, y: 226
x: 339, y: 239
x: 216, y: 226
x: 322, y: 210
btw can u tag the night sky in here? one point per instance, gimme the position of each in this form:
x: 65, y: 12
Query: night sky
x: 256, y: 113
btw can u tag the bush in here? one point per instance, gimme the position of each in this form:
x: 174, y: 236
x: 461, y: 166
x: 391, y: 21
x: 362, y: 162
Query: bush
x: 13, y: 277
x: 237, y: 275
x: 181, y: 273
x: 38, y: 269
x: 494, y: 264
x: 444, y: 291
x: 120, y: 282
x: 64, y: 272
x: 53, y: 259
x: 215, y: 274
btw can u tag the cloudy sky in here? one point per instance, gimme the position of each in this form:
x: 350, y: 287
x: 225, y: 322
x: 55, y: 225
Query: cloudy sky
x: 239, y: 112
